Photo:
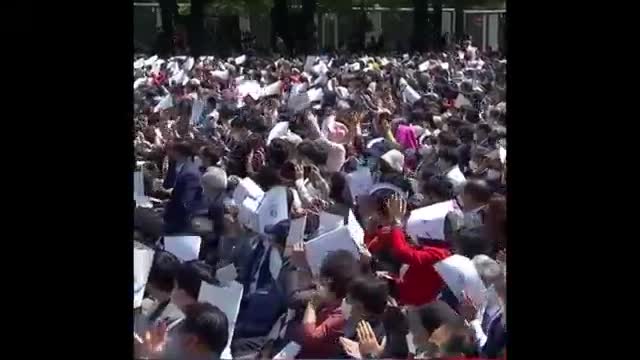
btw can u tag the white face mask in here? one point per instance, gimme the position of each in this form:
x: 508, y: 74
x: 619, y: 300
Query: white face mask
x: 346, y: 309
x: 493, y: 174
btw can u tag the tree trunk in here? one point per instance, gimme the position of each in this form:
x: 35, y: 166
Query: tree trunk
x: 168, y: 11
x: 459, y: 8
x: 196, y: 27
x: 420, y: 14
x: 279, y: 23
x: 437, y: 25
x: 308, y: 14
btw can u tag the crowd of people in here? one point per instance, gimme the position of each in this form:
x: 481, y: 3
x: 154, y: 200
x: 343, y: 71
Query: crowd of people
x: 320, y: 207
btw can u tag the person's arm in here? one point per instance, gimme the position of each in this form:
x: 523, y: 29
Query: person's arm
x: 479, y: 336
x: 318, y: 336
x: 401, y: 250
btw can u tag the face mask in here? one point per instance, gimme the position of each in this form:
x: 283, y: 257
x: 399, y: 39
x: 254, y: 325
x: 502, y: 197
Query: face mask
x: 493, y: 174
x: 346, y: 309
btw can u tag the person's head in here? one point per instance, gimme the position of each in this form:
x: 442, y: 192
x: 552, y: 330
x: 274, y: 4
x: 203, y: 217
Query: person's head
x: 268, y: 177
x: 214, y: 181
x: 181, y: 152
x: 367, y: 297
x: 189, y: 277
x: 204, y: 332
x: 312, y: 153
x: 489, y: 270
x: 162, y: 275
x: 447, y: 158
x: 239, y: 131
x: 447, y: 139
x: 278, y: 152
x: 437, y: 189
x: 465, y: 133
x: 209, y: 156
x: 482, y: 132
x: 337, y: 272
x: 471, y: 241
x: 476, y: 193
x: 453, y: 340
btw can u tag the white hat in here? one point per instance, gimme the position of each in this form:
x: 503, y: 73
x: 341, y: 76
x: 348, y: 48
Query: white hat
x: 395, y: 159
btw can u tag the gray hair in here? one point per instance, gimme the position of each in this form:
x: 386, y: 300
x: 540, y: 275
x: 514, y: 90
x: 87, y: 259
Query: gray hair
x: 489, y: 270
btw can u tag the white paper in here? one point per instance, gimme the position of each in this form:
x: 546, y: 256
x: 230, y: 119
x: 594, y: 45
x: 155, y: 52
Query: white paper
x: 459, y: 273
x: 221, y: 74
x: 273, y: 207
x: 196, y: 110
x: 503, y: 154
x: 360, y: 182
x: 428, y: 222
x: 138, y: 183
x: 227, y: 274
x: 289, y: 352
x: 151, y: 60
x: 138, y: 64
x: 296, y: 231
x: 185, y: 248
x: 164, y: 104
x: 329, y: 222
x: 249, y: 88
x: 228, y: 300
x: 320, y: 68
x: 240, y: 59
x: 298, y: 103
x: 308, y: 63
x: 275, y: 263
x: 272, y: 89
x: 279, y: 130
x: 354, y: 67
x: 247, y: 188
x: 424, y: 66
x: 317, y: 249
x: 139, y: 82
x: 410, y: 95
x: 188, y: 65
x: 356, y: 231
x: 315, y: 94
x: 461, y: 101
x: 142, y: 262
x: 248, y: 213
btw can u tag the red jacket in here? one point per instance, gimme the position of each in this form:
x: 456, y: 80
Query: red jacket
x: 321, y: 340
x: 421, y: 283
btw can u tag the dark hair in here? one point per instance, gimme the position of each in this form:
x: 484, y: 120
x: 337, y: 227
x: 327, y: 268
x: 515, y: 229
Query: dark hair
x: 473, y: 241
x: 239, y: 123
x: 191, y: 274
x: 210, y: 153
x: 277, y: 153
x: 183, y: 148
x: 340, y: 268
x: 209, y: 324
x: 479, y: 190
x: 460, y: 341
x: 472, y: 116
x: 314, y: 151
x: 449, y: 155
x: 163, y: 271
x: 371, y: 292
x: 437, y: 313
x: 465, y: 133
x: 427, y: 173
x: 267, y: 178
x: 440, y: 186
x: 485, y: 127
x: 448, y: 139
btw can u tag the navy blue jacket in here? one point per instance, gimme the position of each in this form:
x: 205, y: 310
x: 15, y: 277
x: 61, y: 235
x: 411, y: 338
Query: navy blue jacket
x: 186, y: 200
